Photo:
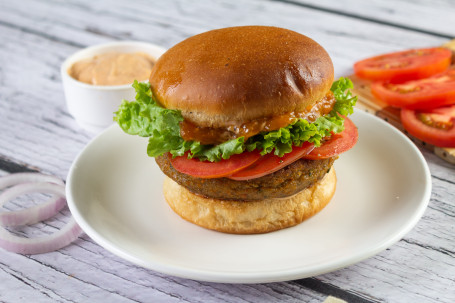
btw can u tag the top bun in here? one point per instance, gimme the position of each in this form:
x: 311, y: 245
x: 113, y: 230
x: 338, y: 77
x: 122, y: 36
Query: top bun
x: 238, y: 74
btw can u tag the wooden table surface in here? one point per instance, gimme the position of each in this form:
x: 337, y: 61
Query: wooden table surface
x: 38, y: 134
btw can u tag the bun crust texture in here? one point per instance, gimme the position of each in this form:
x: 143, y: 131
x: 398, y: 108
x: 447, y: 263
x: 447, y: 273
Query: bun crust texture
x: 239, y: 74
x: 240, y: 217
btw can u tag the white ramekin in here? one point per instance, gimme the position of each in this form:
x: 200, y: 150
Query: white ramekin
x: 93, y: 105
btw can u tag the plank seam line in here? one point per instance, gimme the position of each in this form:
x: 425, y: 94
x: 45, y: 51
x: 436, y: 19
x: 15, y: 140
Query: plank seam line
x: 113, y: 274
x: 359, y: 17
x: 10, y: 166
x: 30, y: 257
x: 332, y: 290
x: 98, y: 268
x: 221, y: 289
x: 32, y: 286
x: 440, y: 210
x: 91, y: 265
x: 444, y: 180
x: 440, y: 250
x: 155, y: 274
x: 43, y: 35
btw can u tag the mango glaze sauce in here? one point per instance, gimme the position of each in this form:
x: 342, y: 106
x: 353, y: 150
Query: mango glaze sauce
x: 208, y: 135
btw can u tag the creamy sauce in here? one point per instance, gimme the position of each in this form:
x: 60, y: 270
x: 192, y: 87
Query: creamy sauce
x: 209, y: 135
x: 113, y: 69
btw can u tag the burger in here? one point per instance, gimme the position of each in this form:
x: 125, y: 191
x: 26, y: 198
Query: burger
x: 246, y: 123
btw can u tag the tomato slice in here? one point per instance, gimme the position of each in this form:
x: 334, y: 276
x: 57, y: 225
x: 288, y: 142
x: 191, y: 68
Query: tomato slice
x: 271, y: 163
x: 337, y: 144
x: 436, y: 126
x: 405, y: 65
x: 250, y: 165
x: 436, y: 91
x: 207, y: 169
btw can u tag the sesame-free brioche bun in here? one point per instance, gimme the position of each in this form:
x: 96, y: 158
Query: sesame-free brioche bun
x: 239, y: 74
x: 239, y: 217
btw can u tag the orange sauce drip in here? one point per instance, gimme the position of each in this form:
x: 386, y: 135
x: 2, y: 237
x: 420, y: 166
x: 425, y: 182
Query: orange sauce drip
x: 209, y: 135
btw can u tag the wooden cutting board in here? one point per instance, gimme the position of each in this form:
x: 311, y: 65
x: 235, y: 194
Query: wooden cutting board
x: 369, y: 103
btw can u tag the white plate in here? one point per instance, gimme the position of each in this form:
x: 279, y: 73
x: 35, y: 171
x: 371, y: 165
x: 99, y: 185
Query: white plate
x: 114, y: 192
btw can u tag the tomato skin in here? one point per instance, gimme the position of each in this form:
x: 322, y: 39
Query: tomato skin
x: 250, y: 165
x: 436, y: 91
x: 404, y: 65
x: 337, y: 144
x: 270, y: 163
x: 207, y: 170
x: 429, y: 134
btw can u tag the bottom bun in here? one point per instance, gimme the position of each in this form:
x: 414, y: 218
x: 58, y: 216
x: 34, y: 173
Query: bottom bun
x: 240, y: 217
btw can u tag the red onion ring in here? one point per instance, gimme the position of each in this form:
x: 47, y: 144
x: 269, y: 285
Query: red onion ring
x: 59, y: 239
x: 39, y: 245
x: 36, y: 213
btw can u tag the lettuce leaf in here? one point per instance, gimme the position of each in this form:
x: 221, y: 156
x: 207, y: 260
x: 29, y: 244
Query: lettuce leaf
x: 281, y: 141
x: 146, y: 118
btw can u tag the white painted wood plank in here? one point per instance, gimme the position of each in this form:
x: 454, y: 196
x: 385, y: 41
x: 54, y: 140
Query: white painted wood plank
x: 15, y: 287
x: 428, y: 15
x: 168, y: 22
x: 75, y: 274
x: 36, y: 37
x: 402, y: 274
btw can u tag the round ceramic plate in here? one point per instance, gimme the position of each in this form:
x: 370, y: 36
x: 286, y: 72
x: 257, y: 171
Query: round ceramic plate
x: 114, y: 191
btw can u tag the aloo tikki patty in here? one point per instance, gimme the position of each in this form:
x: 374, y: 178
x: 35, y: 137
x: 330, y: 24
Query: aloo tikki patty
x: 285, y: 182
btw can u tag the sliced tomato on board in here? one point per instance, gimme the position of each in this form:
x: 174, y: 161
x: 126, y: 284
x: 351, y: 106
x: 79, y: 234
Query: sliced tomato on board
x: 405, y: 65
x: 271, y: 163
x: 435, y: 126
x: 436, y: 91
x: 206, y: 169
x: 337, y: 144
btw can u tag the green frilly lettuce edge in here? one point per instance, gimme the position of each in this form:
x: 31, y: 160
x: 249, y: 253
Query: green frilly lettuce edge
x: 145, y: 118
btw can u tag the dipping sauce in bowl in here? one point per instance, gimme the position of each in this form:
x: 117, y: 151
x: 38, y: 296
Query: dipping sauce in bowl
x: 113, y: 68
x: 96, y: 79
